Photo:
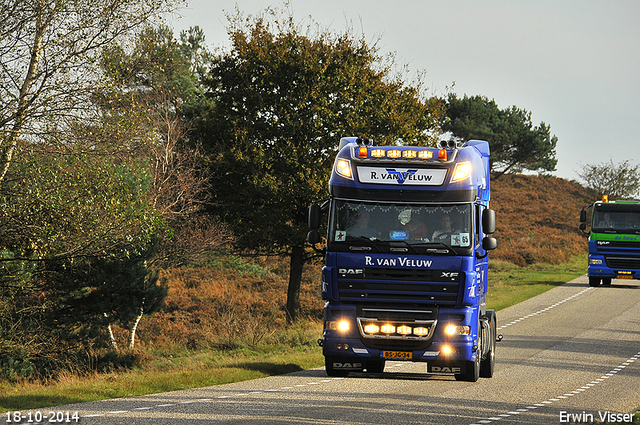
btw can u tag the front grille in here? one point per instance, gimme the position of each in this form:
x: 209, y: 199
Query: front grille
x: 622, y: 262
x: 400, y: 285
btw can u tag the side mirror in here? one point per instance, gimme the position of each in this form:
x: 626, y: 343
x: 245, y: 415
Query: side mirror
x: 583, y: 226
x: 489, y: 243
x: 488, y: 221
x: 314, y: 216
x: 583, y: 217
x: 313, y: 237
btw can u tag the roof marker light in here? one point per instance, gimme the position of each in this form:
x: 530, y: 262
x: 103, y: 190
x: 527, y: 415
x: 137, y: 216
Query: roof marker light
x: 442, y: 155
x: 409, y: 154
x: 362, y: 152
x: 605, y: 198
x: 425, y: 154
x: 394, y: 153
x: 377, y: 153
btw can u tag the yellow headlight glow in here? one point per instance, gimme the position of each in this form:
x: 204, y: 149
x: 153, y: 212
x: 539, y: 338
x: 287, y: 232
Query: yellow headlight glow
x: 461, y: 172
x: 372, y: 328
x: 404, y: 330
x: 457, y: 330
x: 421, y: 331
x: 377, y: 153
x: 343, y: 167
x: 394, y: 153
x: 388, y: 329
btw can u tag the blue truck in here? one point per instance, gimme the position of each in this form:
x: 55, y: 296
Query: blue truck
x: 614, y: 240
x: 407, y: 249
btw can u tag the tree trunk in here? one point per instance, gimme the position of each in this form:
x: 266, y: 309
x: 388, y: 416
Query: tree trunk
x: 295, y: 279
x: 114, y: 344
x: 134, y: 326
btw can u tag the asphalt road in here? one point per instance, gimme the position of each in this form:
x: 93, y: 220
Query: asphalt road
x: 570, y: 355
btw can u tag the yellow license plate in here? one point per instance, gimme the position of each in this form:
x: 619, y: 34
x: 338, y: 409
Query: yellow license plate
x: 397, y: 355
x: 624, y: 276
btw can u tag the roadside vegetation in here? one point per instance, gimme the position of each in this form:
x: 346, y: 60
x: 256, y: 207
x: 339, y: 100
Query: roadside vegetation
x: 224, y: 317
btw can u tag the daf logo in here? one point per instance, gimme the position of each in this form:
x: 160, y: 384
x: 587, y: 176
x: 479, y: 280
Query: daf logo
x: 351, y: 272
x: 445, y: 369
x: 355, y: 365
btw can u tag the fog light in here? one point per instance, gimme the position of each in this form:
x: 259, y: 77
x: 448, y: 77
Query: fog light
x: 404, y: 330
x: 446, y: 349
x: 372, y: 328
x: 421, y: 331
x: 388, y: 329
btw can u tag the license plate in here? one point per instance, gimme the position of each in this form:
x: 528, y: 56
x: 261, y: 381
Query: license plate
x: 624, y: 276
x: 397, y: 355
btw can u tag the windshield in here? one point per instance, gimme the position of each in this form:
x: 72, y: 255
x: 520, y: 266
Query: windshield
x: 383, y: 226
x: 616, y: 221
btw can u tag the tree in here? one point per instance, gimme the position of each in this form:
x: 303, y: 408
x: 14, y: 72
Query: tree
x: 147, y: 87
x: 50, y: 50
x: 515, y: 143
x: 279, y: 101
x: 619, y: 181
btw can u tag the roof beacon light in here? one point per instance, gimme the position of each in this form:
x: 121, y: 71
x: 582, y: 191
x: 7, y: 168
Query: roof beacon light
x: 442, y: 155
x: 362, y: 152
x: 605, y: 198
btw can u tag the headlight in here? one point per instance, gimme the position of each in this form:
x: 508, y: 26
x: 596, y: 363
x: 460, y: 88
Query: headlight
x: 457, y: 330
x: 338, y: 325
x: 461, y: 172
x: 343, y: 167
x: 595, y: 261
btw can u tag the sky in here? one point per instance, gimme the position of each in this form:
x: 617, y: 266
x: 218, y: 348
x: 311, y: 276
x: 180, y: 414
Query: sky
x: 574, y: 64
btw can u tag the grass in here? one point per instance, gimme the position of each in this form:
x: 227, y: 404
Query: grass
x: 167, y: 373
x: 509, y: 284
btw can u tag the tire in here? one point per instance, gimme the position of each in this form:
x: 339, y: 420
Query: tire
x: 594, y: 281
x: 328, y: 365
x: 606, y: 281
x: 375, y: 366
x: 487, y: 365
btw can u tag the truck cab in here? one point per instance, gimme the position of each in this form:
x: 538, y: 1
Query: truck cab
x: 614, y: 240
x: 407, y: 247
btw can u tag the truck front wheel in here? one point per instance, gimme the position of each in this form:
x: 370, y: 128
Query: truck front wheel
x: 487, y: 364
x: 594, y: 281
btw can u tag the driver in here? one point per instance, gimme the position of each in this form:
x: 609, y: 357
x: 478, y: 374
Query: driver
x: 446, y: 229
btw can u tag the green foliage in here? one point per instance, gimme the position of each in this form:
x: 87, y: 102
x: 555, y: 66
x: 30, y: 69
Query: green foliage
x: 515, y: 143
x: 619, y: 181
x: 278, y: 103
x: 65, y: 206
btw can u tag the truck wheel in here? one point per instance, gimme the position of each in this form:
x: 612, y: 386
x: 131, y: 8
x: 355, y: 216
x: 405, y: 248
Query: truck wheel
x: 375, y: 366
x: 606, y: 281
x: 487, y: 365
x: 472, y: 371
x: 331, y: 371
x: 594, y: 281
